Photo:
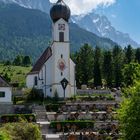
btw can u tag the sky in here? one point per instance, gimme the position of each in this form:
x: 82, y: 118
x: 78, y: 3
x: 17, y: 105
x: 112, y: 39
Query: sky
x: 123, y: 14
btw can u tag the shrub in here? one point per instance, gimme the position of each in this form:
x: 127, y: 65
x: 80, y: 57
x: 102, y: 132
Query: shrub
x: 35, y: 94
x: 17, y: 117
x: 21, y: 131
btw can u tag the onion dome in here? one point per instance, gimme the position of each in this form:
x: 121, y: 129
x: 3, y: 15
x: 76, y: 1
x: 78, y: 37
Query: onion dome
x: 60, y: 10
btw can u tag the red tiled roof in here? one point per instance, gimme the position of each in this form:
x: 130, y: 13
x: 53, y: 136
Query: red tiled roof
x: 3, y: 82
x: 40, y: 62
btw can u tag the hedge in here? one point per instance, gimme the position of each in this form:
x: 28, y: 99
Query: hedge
x: 81, y: 124
x: 17, y: 118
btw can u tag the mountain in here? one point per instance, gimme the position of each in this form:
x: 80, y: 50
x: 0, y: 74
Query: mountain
x: 92, y: 22
x: 27, y: 32
x: 101, y: 26
x: 43, y: 5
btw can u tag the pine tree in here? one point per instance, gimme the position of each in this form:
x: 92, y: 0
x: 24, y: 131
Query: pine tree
x: 18, y: 60
x: 129, y: 54
x: 117, y: 65
x: 84, y: 65
x: 26, y: 61
x: 97, y: 67
x: 137, y: 55
x: 108, y: 68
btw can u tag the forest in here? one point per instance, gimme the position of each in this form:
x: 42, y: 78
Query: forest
x: 115, y: 67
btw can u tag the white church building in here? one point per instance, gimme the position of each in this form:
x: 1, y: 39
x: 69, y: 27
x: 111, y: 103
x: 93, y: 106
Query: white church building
x: 55, y: 67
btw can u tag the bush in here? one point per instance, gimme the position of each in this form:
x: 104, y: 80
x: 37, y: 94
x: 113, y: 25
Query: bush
x: 21, y: 131
x: 4, y: 136
x: 17, y: 117
x: 35, y: 94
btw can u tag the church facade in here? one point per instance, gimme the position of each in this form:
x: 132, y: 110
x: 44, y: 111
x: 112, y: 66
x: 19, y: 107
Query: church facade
x: 54, y: 71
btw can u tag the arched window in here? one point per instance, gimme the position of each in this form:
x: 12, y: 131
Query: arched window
x: 35, y: 81
x: 61, y: 36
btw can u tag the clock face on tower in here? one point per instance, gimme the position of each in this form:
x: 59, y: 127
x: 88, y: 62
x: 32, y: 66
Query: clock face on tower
x: 61, y: 27
x: 61, y: 64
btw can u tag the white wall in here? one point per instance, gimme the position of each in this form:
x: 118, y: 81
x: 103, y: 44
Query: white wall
x: 55, y: 34
x: 8, y: 95
x: 30, y: 80
x: 72, y: 77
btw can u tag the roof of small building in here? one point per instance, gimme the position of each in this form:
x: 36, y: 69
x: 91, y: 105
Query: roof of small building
x: 40, y: 62
x: 3, y: 82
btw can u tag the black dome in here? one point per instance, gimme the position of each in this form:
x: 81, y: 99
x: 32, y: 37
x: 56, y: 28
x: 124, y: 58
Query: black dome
x: 60, y: 10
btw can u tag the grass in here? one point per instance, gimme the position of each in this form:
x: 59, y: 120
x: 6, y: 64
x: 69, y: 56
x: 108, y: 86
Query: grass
x: 17, y: 74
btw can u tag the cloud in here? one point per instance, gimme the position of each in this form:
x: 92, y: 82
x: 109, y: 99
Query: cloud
x: 85, y: 6
x: 113, y: 16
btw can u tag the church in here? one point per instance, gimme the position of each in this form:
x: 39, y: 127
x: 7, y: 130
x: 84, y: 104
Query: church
x: 54, y: 71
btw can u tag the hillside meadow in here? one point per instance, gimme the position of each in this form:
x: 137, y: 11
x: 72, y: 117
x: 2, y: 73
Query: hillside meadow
x: 15, y: 74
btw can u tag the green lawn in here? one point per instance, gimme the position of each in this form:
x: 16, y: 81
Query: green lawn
x: 17, y: 74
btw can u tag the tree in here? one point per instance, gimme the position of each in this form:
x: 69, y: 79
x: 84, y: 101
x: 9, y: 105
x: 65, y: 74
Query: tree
x: 131, y: 73
x: 129, y: 54
x: 26, y: 61
x: 108, y: 68
x: 18, y: 60
x: 7, y: 77
x: 117, y: 65
x: 129, y: 114
x: 137, y: 55
x: 97, y: 67
x: 84, y: 65
x: 21, y: 131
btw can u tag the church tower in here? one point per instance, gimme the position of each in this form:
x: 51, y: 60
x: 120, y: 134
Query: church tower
x: 62, y: 64
x: 54, y: 71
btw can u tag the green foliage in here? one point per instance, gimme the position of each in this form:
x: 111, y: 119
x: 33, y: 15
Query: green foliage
x: 79, y: 123
x: 17, y: 118
x: 15, y: 74
x: 7, y: 78
x: 131, y: 73
x: 129, y: 113
x: 34, y: 95
x: 23, y: 30
x: 108, y: 67
x: 22, y: 61
x: 21, y: 131
x: 4, y: 135
x: 97, y: 67
x: 26, y: 61
x: 84, y: 65
x: 56, y: 96
x: 137, y: 55
x: 117, y: 65
x: 129, y: 54
x: 18, y: 60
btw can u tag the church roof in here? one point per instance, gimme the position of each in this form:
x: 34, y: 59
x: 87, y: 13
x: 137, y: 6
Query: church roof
x: 60, y: 10
x: 3, y: 82
x: 40, y: 62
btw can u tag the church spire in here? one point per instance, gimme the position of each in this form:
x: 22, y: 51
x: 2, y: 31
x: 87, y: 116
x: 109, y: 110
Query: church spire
x: 60, y: 10
x: 59, y: 0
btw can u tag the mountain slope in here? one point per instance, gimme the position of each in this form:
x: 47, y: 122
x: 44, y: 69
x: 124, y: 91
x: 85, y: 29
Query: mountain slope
x: 101, y: 26
x: 95, y: 23
x: 43, y: 5
x: 26, y: 31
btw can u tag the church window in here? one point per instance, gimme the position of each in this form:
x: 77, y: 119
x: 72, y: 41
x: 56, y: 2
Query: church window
x: 50, y: 90
x: 61, y: 55
x: 61, y: 36
x: 2, y: 94
x: 61, y: 73
x: 35, y: 81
